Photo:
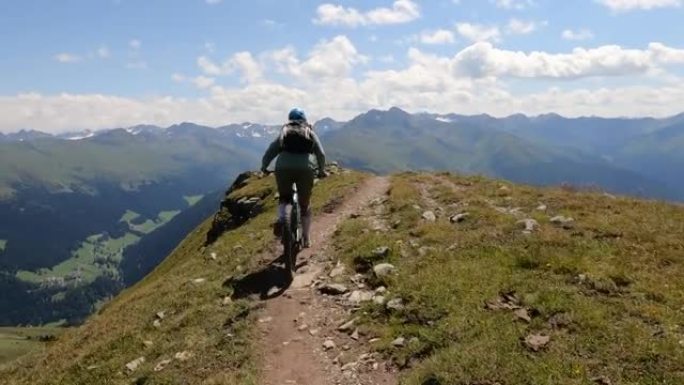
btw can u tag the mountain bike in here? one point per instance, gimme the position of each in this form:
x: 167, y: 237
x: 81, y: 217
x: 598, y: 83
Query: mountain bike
x: 292, y: 231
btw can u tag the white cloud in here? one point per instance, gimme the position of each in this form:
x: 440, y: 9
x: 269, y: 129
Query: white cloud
x: 329, y: 59
x: 269, y: 104
x: 208, y: 66
x: 478, y: 32
x: 513, y: 4
x: 580, y: 34
x: 270, y: 23
x: 478, y: 79
x: 137, y: 65
x: 245, y: 63
x: 402, y: 11
x: 440, y: 36
x: 249, y: 68
x: 135, y: 44
x: 65, y: 57
x: 203, y: 82
x: 628, y: 5
x: 483, y: 59
x: 103, y: 52
x: 331, y: 14
x: 210, y: 47
x: 520, y: 27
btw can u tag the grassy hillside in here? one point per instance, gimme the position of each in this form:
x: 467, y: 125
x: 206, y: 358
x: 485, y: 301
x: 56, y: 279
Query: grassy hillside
x: 602, y: 294
x: 592, y: 300
x: 179, y: 312
x: 70, y: 209
x: 17, y: 341
x: 116, y: 156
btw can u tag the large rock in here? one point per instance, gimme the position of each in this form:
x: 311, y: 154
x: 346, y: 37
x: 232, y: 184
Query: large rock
x: 234, y: 211
x: 429, y: 216
x: 564, y: 222
x: 458, y: 218
x: 381, y: 252
x: 395, y: 304
x: 383, y: 269
x: 359, y: 296
x: 161, y: 365
x: 347, y: 326
x: 337, y: 271
x: 183, y: 356
x: 536, y: 342
x: 528, y: 225
x: 135, y: 364
x: 329, y: 345
x: 333, y: 289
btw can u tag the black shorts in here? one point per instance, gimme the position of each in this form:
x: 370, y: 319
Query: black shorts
x: 303, y: 178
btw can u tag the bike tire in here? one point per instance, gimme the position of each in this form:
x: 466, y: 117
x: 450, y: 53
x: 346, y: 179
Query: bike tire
x: 288, y: 245
x: 295, y: 228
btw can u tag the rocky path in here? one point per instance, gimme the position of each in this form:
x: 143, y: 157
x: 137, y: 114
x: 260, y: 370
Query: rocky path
x: 301, y: 343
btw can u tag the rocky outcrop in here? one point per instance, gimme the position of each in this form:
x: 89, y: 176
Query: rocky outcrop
x: 236, y: 210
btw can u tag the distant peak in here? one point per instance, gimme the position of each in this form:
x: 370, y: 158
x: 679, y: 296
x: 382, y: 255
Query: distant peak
x: 397, y: 110
x: 551, y: 115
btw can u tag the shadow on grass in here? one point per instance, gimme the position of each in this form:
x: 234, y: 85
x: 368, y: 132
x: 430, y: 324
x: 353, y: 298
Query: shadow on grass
x: 273, y: 275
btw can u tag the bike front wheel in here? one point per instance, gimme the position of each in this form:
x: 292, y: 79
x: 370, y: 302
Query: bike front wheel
x: 290, y: 244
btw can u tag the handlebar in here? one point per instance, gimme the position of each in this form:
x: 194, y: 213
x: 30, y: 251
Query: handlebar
x: 319, y: 175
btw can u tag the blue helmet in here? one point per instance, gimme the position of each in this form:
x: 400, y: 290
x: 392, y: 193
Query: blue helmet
x: 297, y: 114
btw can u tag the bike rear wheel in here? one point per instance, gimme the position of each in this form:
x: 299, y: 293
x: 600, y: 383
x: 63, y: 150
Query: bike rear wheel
x: 291, y: 239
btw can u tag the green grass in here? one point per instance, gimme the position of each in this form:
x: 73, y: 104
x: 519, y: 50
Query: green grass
x: 607, y: 291
x: 3, y: 244
x: 62, y: 165
x: 615, y: 280
x: 129, y: 216
x: 96, y: 256
x: 219, y: 337
x: 193, y: 199
x: 17, y: 341
x: 166, y: 216
x: 149, y: 225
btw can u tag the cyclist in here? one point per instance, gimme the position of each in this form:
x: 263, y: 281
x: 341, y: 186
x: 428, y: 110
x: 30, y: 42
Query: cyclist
x: 293, y: 147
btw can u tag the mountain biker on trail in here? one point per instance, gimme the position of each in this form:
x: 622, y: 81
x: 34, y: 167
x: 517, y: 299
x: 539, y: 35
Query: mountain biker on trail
x: 293, y: 147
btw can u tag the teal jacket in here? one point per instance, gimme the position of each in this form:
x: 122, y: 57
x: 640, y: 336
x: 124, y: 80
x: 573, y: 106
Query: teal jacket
x: 291, y: 161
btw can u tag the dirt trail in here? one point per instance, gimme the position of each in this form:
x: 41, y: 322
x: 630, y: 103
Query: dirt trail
x: 295, y: 325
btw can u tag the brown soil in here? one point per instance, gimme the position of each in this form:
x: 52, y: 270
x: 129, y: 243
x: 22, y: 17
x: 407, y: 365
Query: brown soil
x: 295, y: 325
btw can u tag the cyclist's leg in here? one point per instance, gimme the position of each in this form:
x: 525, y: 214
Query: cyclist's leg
x: 284, y: 180
x: 305, y: 181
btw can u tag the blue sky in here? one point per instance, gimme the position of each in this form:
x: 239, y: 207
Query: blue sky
x: 73, y: 64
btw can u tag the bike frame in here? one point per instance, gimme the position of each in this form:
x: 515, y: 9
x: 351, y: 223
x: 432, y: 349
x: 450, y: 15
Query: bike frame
x: 295, y: 215
x: 292, y: 234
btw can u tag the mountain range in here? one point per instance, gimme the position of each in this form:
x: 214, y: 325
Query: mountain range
x: 87, y: 213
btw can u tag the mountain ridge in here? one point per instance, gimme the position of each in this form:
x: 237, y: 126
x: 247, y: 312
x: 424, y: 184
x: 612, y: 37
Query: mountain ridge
x: 118, y: 169
x: 29, y: 134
